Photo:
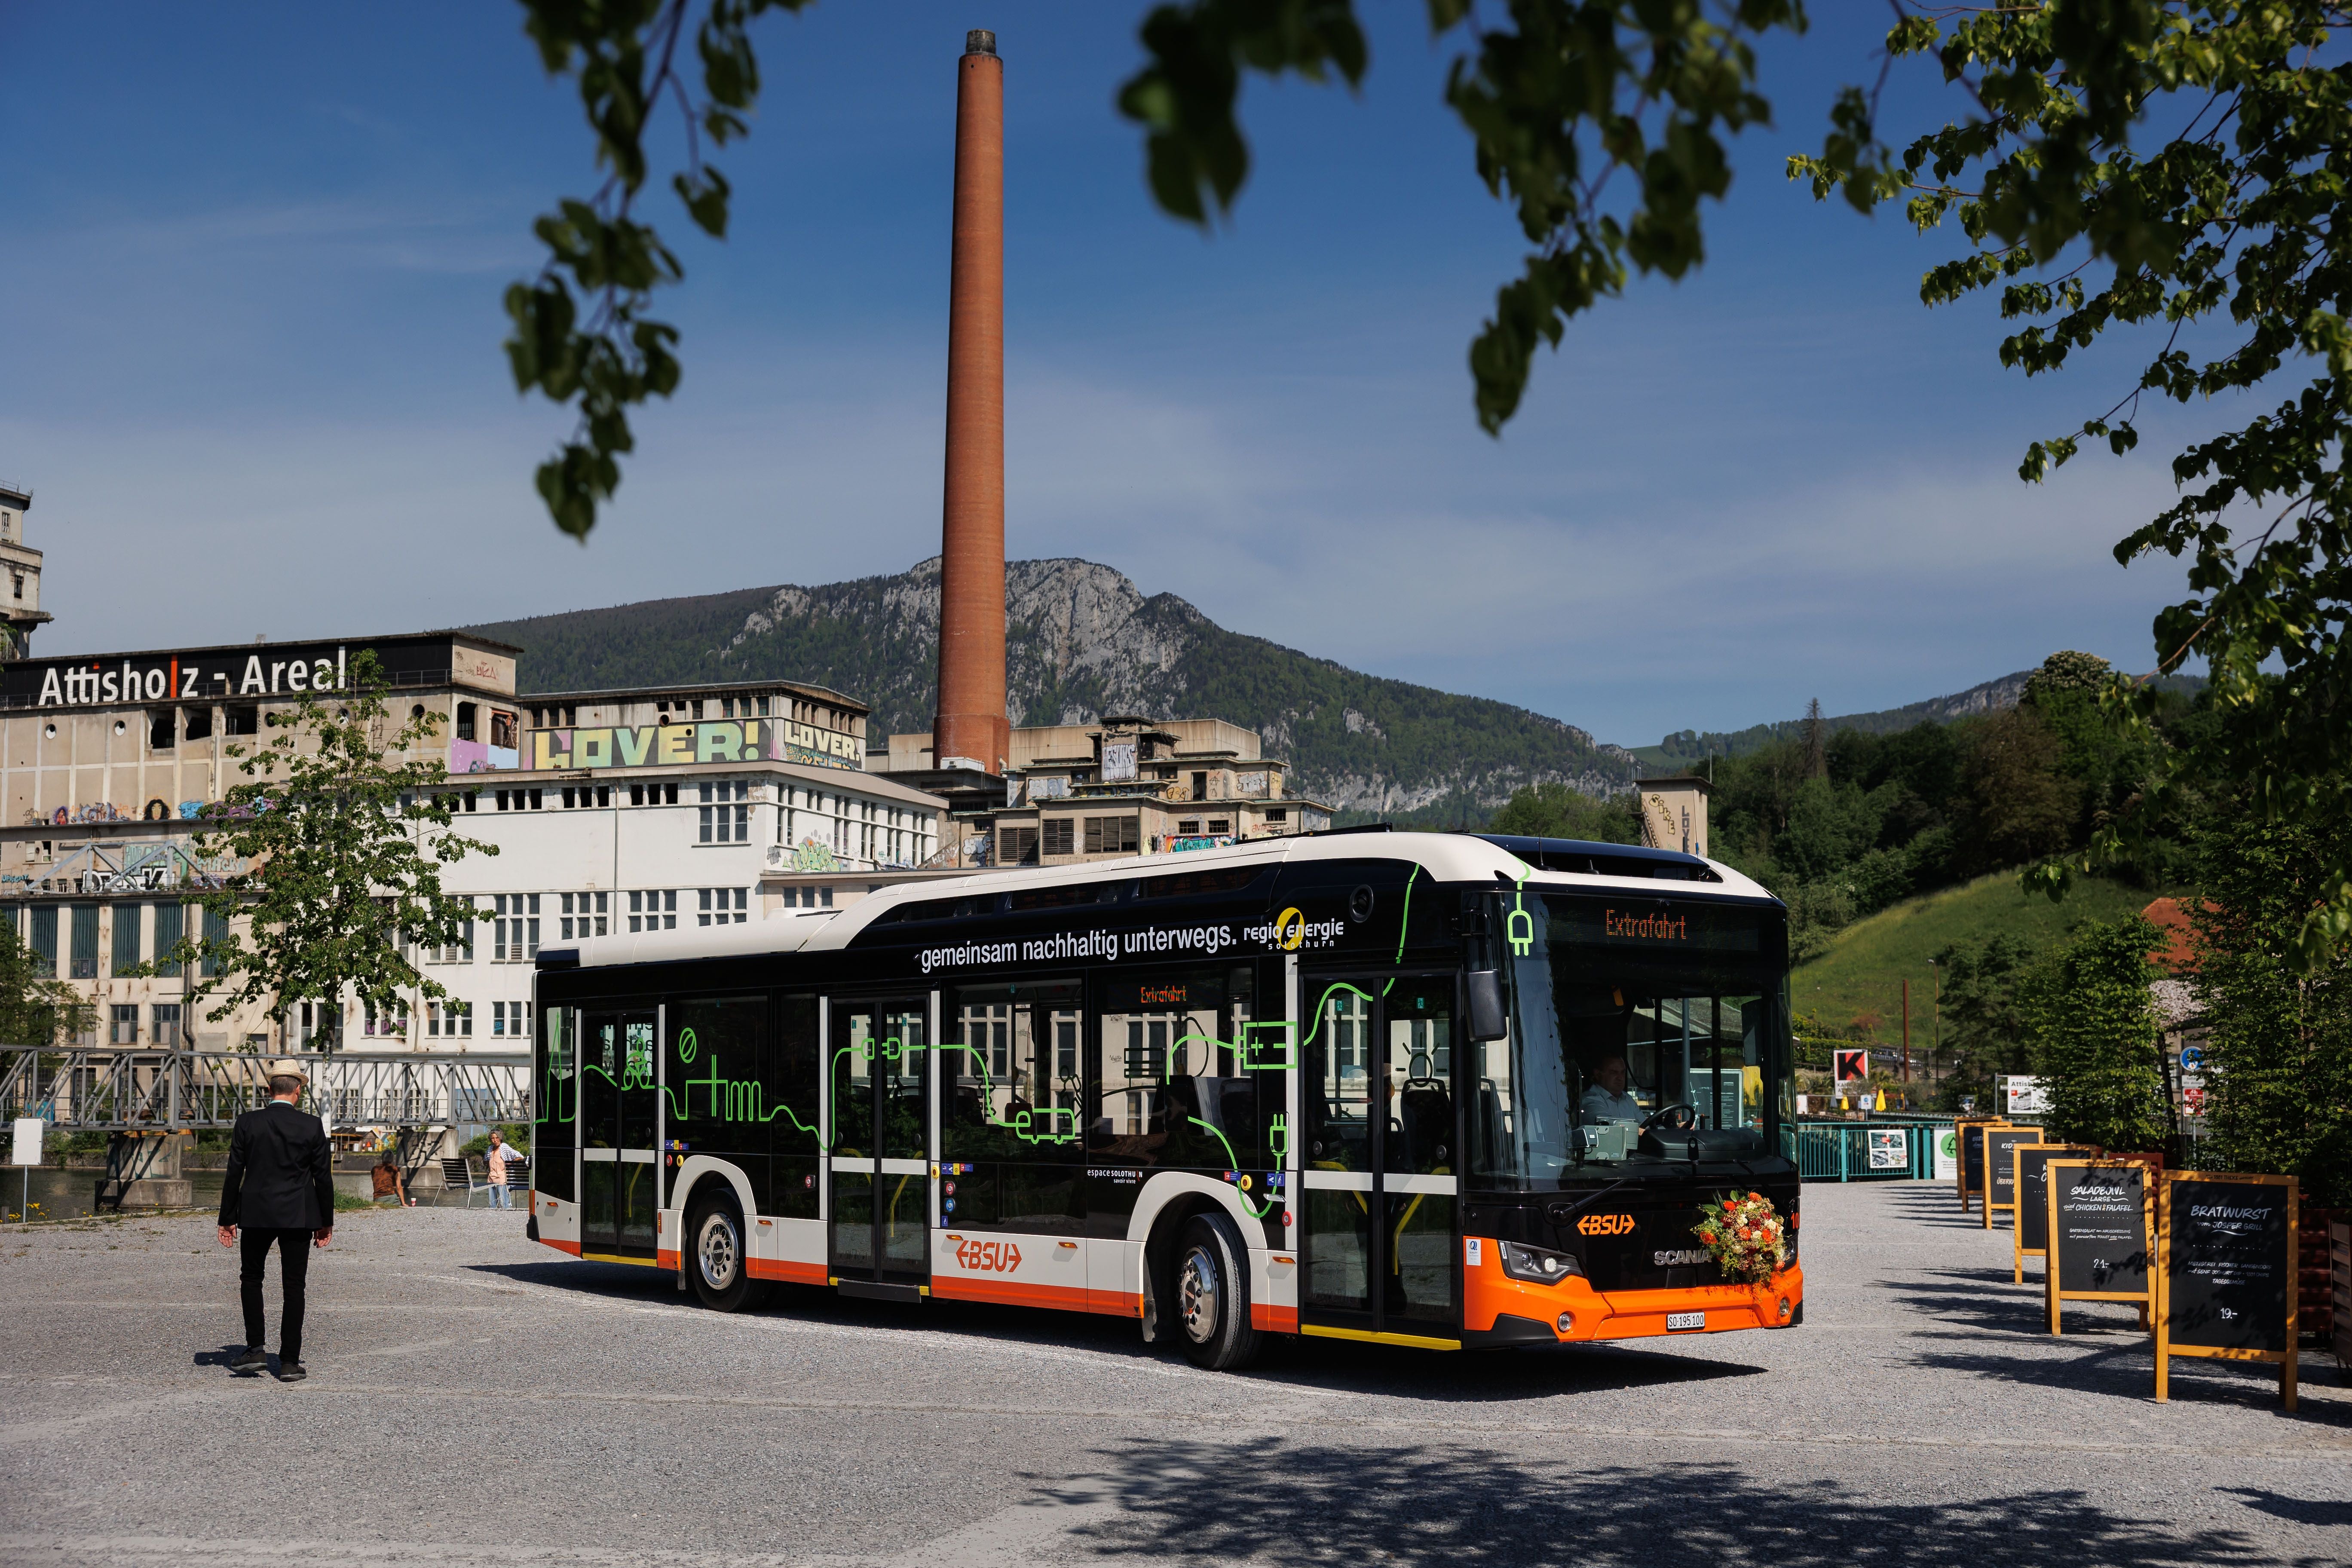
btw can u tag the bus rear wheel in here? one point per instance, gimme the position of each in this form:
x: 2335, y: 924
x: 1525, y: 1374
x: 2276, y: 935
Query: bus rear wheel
x: 1210, y: 1295
x: 718, y: 1261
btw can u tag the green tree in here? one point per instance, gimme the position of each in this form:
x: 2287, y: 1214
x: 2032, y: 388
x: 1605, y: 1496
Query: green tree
x: 342, y: 851
x: 36, y: 1007
x: 1986, y: 994
x: 2096, y: 1041
x: 2279, y: 1046
x: 1556, y: 810
x: 2022, y: 806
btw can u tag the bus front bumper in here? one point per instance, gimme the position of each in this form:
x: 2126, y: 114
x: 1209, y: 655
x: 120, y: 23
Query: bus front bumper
x: 1500, y: 1311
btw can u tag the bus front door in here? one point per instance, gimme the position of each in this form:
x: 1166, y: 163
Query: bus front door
x: 881, y: 1145
x: 1380, y: 1159
x: 620, y: 1171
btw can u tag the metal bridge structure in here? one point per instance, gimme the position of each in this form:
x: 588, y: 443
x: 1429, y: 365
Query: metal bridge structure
x: 134, y: 1089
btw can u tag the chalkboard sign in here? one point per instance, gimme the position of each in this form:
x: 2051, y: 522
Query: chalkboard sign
x: 2000, y: 1167
x: 2033, y: 1196
x: 2100, y: 1217
x: 1972, y: 1131
x: 2226, y: 1271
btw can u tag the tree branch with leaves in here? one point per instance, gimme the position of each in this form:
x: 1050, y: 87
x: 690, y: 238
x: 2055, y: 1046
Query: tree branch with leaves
x: 2233, y: 225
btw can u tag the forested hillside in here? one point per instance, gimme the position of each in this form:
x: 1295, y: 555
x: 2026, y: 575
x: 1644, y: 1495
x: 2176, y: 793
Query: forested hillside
x: 1083, y: 641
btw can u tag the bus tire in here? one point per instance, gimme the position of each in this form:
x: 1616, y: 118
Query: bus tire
x: 718, y: 1258
x: 1210, y: 1295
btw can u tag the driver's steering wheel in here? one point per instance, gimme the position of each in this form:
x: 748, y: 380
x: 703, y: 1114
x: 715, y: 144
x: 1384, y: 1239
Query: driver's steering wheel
x: 1679, y: 1118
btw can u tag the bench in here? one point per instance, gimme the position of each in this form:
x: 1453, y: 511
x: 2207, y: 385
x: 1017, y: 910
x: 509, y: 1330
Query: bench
x: 457, y: 1171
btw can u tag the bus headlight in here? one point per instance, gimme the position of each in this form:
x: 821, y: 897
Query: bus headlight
x: 1537, y: 1265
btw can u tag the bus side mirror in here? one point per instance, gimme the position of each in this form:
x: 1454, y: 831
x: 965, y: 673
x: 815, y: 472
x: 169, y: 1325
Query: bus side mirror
x: 1485, y: 987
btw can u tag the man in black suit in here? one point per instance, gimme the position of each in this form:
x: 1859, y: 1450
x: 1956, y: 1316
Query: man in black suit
x: 280, y: 1187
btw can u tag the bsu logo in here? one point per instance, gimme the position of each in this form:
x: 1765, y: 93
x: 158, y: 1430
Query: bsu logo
x: 1605, y: 1224
x: 994, y: 1256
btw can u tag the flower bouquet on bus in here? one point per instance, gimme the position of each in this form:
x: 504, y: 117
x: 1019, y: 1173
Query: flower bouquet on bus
x: 1744, y: 1236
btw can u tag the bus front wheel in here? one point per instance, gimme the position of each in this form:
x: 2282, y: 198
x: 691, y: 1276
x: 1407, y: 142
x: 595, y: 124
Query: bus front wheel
x: 1212, y: 1295
x: 719, y: 1264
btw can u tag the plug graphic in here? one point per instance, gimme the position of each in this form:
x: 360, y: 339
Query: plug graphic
x: 1278, y: 1138
x: 1521, y: 928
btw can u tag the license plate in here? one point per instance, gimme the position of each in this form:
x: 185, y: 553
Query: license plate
x: 1686, y: 1320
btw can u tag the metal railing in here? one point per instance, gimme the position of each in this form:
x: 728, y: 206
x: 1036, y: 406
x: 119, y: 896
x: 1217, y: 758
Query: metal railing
x: 103, y: 1090
x: 1841, y: 1151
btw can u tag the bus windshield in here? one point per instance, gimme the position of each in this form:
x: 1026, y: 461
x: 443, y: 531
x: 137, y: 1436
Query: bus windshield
x: 1643, y: 1030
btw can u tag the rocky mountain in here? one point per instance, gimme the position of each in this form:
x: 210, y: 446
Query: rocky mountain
x: 1083, y: 641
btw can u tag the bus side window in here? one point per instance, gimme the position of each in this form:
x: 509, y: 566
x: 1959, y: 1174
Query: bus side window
x: 1169, y: 1086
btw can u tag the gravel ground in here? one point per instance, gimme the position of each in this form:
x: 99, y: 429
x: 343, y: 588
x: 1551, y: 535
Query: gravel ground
x: 472, y: 1395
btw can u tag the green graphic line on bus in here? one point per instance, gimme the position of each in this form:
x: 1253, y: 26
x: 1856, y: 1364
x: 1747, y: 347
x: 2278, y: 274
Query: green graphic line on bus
x: 1256, y: 1210
x: 1405, y: 919
x: 1023, y: 1119
x: 728, y: 1100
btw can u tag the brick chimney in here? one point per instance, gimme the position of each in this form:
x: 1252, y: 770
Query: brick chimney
x: 970, y: 722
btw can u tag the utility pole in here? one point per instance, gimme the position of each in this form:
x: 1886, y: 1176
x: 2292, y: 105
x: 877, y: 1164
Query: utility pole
x: 1906, y: 1028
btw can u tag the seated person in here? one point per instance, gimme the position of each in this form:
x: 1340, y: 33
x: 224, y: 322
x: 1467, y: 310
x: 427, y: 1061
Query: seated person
x: 1608, y: 1100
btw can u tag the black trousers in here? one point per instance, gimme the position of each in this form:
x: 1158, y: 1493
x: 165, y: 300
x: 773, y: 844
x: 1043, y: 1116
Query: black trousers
x: 294, y: 1255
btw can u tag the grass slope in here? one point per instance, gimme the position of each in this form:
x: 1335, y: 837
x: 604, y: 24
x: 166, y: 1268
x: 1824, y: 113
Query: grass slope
x: 1865, y: 970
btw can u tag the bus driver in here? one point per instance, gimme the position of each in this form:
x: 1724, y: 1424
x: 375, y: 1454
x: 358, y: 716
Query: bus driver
x: 1607, y: 1099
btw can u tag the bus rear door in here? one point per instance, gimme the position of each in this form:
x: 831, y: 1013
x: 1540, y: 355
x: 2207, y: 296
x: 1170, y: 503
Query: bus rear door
x: 620, y: 1171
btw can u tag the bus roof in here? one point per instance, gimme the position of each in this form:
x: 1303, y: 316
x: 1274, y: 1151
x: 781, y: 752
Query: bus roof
x: 1446, y: 856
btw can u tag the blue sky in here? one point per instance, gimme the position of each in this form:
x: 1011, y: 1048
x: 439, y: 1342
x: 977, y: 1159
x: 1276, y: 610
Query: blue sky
x: 254, y: 256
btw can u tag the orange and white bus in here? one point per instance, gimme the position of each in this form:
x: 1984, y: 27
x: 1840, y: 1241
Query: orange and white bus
x: 1426, y: 1090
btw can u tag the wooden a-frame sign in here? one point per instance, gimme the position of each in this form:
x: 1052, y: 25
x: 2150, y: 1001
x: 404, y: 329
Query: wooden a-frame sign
x: 2031, y: 1231
x: 2226, y: 1271
x: 1966, y: 1168
x: 2102, y: 1216
x: 2000, y: 1166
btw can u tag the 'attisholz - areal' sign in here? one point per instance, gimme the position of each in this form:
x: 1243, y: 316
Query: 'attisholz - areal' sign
x: 247, y: 671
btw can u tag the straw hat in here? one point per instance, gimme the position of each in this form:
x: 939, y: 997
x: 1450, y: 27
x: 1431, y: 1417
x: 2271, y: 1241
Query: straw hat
x: 287, y: 1067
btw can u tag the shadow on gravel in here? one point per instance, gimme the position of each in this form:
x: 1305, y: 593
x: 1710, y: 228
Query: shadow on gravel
x: 2300, y: 1511
x: 1485, y: 1376
x: 1280, y: 1501
x: 1932, y: 1203
x: 1966, y: 1296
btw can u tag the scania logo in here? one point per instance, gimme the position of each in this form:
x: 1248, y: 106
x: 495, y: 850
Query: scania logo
x: 993, y: 1257
x: 1680, y: 1257
x: 1605, y: 1224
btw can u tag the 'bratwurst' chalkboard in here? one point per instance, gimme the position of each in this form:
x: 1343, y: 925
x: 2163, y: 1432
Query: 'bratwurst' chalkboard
x: 2099, y: 1231
x: 2230, y: 1257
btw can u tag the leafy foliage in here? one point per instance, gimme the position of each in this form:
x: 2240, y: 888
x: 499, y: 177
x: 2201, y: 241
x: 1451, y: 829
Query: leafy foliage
x: 599, y: 251
x: 36, y: 1007
x: 2279, y: 1046
x: 1556, y: 810
x: 1560, y: 97
x: 1988, y: 989
x: 2220, y: 233
x: 1885, y: 816
x: 2095, y: 1039
x: 343, y: 850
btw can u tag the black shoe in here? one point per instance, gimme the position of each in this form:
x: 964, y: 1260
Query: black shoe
x: 290, y: 1371
x: 253, y: 1358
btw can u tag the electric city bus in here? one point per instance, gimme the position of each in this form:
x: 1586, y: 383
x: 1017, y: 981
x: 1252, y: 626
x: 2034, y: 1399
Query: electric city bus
x: 1425, y: 1090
